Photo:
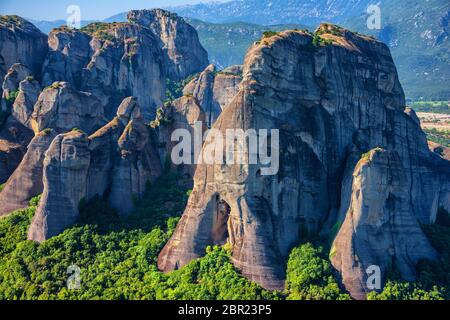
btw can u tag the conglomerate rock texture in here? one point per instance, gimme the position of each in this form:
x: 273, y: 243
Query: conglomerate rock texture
x: 330, y: 101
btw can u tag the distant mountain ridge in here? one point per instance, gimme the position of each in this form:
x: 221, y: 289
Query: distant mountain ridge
x: 417, y: 32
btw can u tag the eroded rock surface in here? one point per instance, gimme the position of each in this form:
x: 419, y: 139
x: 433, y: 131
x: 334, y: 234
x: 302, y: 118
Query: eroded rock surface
x: 380, y: 228
x: 66, y: 165
x: 21, y: 42
x: 213, y: 91
x: 26, y: 181
x: 184, y: 113
x: 63, y: 108
x: 14, y: 139
x: 328, y: 101
x: 115, y: 162
x: 183, y: 53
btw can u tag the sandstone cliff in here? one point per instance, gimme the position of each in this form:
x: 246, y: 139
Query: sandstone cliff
x: 115, y: 162
x: 21, y: 42
x: 183, y: 53
x: 214, y: 90
x: 329, y: 99
x: 380, y: 228
x: 63, y: 108
x: 111, y: 61
x: 26, y: 181
x: 183, y: 113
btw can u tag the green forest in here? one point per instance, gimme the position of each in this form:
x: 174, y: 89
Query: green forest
x: 117, y: 259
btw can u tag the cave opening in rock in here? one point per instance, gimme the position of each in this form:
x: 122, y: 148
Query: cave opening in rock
x: 220, y: 224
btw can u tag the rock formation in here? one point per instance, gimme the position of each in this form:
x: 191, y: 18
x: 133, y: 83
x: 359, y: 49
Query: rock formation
x: 13, y: 77
x: 380, y: 228
x: 23, y: 106
x: 214, y: 90
x: 21, y: 42
x: 14, y: 139
x: 63, y: 108
x: 183, y: 53
x: 329, y: 100
x: 116, y: 60
x: 111, y: 61
x: 117, y: 161
x: 26, y: 181
x: 66, y: 165
x: 183, y: 113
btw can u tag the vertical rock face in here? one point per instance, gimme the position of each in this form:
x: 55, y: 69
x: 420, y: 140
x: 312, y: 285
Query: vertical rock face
x: 69, y: 52
x: 184, y: 55
x: 65, y: 170
x: 23, y: 107
x: 14, y: 76
x: 111, y: 61
x: 120, y: 158
x: 26, y: 181
x: 14, y: 138
x: 327, y: 101
x: 226, y: 87
x: 10, y: 86
x: 63, y: 108
x: 21, y: 42
x: 137, y: 162
x: 182, y: 113
x: 214, y: 90
x: 380, y: 228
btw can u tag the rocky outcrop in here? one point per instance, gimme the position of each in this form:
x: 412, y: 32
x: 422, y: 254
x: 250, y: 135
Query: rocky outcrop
x: 226, y: 87
x: 183, y: 113
x: 111, y: 61
x: 116, y: 60
x: 63, y: 108
x: 21, y: 42
x: 183, y: 53
x: 26, y: 181
x: 115, y: 162
x: 137, y: 162
x: 380, y: 228
x: 213, y: 90
x: 69, y: 52
x: 14, y: 139
x: 329, y: 99
x: 23, y: 107
x: 66, y: 165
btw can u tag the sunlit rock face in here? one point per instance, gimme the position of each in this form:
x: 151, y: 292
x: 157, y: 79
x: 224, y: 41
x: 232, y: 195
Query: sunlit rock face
x: 331, y: 103
x: 21, y: 42
x: 116, y: 162
x: 183, y: 53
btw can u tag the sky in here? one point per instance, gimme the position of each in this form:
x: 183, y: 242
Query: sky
x: 90, y: 9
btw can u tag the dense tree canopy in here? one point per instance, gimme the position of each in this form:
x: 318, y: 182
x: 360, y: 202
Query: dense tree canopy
x: 117, y: 259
